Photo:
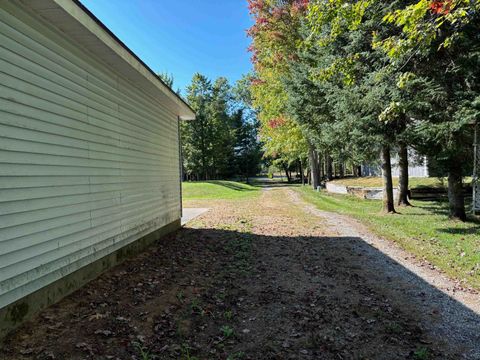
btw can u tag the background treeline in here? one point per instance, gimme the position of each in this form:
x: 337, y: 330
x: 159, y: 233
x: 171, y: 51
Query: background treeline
x: 222, y: 142
x: 340, y: 83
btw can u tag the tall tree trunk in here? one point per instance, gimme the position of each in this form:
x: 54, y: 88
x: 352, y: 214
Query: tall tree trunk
x: 388, y: 201
x: 455, y: 191
x: 318, y: 170
x: 285, y: 168
x: 341, y: 169
x: 359, y: 171
x: 403, y: 175
x: 324, y: 166
x: 203, y: 150
x: 312, y: 158
x: 301, y: 172
x: 329, y: 166
x: 321, y: 174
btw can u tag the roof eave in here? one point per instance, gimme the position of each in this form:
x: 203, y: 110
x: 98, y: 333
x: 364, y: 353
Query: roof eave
x: 113, y: 50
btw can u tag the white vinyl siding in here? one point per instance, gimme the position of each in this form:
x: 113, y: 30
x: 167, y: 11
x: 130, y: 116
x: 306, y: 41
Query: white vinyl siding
x: 88, y: 162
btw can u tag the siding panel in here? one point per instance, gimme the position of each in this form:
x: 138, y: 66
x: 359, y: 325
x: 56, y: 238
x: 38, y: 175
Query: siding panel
x: 88, y: 162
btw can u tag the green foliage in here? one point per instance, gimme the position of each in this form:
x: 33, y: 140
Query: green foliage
x: 143, y: 352
x: 350, y: 77
x: 275, y: 37
x: 167, y: 79
x: 247, y: 149
x: 180, y: 296
x: 339, y: 87
x: 421, y: 354
x: 222, y: 141
x: 228, y: 315
x: 429, y: 25
x: 338, y: 15
x: 444, y: 33
x: 195, y: 306
x: 227, y: 331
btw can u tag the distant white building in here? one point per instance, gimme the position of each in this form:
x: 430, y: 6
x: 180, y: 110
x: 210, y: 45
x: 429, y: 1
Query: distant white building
x: 417, y: 166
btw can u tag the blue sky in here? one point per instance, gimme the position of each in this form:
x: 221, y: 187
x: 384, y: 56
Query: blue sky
x: 182, y: 36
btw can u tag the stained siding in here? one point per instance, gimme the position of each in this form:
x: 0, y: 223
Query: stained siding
x: 88, y: 162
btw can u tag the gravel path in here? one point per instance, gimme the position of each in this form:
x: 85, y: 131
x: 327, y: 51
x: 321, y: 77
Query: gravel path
x: 267, y: 277
x: 449, y: 312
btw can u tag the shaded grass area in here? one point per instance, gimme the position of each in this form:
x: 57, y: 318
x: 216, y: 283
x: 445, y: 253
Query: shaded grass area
x: 424, y: 230
x: 217, y: 190
x: 414, y: 182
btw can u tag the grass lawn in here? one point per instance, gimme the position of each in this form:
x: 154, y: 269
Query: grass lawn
x: 415, y: 182
x: 217, y: 190
x: 424, y: 230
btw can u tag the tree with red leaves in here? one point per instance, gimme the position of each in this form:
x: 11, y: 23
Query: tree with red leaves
x: 438, y: 7
x: 274, y: 44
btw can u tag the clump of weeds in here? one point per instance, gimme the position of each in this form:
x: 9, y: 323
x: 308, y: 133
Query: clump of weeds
x: 186, y: 353
x: 421, y: 354
x: 228, y: 315
x: 195, y: 307
x: 227, y: 331
x: 236, y: 356
x: 143, y: 352
x: 180, y: 296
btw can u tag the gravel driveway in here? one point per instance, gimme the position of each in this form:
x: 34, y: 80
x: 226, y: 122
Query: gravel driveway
x: 269, y: 277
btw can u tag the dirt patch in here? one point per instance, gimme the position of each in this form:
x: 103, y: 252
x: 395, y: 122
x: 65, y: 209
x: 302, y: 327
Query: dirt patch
x: 251, y: 279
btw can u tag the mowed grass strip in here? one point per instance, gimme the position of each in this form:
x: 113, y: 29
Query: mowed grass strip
x: 218, y: 190
x: 414, y: 182
x: 425, y: 230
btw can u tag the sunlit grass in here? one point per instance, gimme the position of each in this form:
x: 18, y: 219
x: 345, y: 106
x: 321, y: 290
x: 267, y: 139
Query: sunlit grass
x: 217, y: 190
x: 414, y: 182
x: 424, y: 230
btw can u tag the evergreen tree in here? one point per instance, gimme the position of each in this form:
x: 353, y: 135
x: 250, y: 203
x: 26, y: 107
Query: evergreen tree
x: 166, y: 78
x: 221, y: 143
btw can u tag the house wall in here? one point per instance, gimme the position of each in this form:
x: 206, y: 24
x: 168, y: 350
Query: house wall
x: 88, y: 162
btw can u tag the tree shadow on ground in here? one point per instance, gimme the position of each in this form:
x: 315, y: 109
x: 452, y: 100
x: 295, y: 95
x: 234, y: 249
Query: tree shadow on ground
x: 461, y: 231
x: 440, y: 206
x: 230, y: 185
x: 271, y: 183
x: 222, y: 293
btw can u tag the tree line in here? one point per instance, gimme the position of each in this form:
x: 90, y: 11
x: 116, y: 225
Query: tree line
x: 222, y: 142
x: 354, y: 81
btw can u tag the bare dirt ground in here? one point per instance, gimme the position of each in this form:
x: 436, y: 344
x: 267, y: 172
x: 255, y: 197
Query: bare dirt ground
x: 263, y: 278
